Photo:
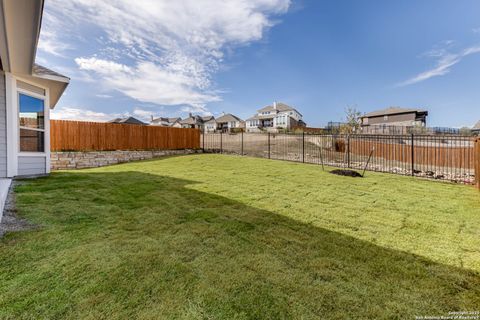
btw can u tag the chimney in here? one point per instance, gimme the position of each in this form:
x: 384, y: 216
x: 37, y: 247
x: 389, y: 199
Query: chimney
x: 190, y: 115
x: 151, y: 117
x: 275, y: 105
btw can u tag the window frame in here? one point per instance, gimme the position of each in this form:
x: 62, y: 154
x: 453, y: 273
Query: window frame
x: 45, y: 119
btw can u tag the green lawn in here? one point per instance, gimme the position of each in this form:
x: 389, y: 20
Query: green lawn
x: 226, y: 237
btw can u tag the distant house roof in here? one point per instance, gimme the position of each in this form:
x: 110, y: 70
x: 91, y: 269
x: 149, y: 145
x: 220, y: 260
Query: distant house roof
x: 392, y: 110
x: 127, y: 120
x: 280, y: 107
x: 207, y: 118
x: 211, y: 121
x: 228, y: 118
x: 196, y: 119
x: 192, y: 120
x: 164, y: 119
x: 42, y: 71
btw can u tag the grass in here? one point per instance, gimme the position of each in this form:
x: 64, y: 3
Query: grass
x: 226, y: 237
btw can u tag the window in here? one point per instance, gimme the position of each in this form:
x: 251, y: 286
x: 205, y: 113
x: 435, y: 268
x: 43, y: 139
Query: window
x: 32, y: 123
x: 385, y: 118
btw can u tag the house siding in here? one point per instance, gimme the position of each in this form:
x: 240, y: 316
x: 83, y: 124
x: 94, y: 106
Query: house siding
x: 3, y: 128
x: 31, y: 165
x: 392, y: 118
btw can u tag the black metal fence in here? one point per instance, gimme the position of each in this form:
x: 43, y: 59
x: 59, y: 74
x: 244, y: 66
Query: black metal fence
x: 336, y: 128
x: 448, y: 158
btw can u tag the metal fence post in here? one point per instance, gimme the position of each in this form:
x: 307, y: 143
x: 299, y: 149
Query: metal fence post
x: 412, y: 154
x: 348, y: 151
x: 221, y: 143
x: 303, y: 146
x: 268, y: 145
x: 241, y: 153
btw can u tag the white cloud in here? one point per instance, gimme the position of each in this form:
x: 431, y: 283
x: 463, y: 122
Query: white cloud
x: 445, y: 61
x: 196, y: 109
x: 81, y: 114
x: 162, y: 51
x: 145, y: 115
x: 49, y: 44
x: 103, y: 96
x: 476, y: 30
x: 149, y: 82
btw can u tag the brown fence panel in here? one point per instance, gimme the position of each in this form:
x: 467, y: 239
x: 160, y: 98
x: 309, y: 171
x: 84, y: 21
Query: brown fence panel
x: 96, y: 136
x: 428, y: 154
x: 477, y: 162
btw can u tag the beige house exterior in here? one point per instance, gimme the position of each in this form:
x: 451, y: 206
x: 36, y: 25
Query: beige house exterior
x: 195, y: 121
x: 273, y: 118
x: 225, y: 123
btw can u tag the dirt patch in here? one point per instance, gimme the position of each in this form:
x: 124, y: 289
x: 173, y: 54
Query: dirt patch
x: 10, y: 221
x: 347, y: 173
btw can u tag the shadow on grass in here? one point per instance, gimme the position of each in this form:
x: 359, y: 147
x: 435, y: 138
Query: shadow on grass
x: 132, y: 244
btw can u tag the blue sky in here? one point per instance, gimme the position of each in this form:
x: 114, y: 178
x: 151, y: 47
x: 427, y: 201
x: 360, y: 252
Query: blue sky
x: 166, y: 58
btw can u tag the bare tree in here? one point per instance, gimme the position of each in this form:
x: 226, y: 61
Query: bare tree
x: 352, y: 120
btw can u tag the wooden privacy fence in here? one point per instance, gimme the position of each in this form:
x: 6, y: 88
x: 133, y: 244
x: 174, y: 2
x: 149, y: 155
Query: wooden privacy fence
x: 96, y: 136
x: 477, y: 162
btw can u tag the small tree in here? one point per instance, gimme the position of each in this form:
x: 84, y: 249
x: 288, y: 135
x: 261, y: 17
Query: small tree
x: 465, y: 131
x: 352, y: 120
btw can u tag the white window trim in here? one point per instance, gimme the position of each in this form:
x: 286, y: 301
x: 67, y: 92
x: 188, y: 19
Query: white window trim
x: 43, y: 98
x: 13, y: 125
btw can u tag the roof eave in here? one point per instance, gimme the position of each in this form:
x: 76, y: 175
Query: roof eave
x: 20, y: 22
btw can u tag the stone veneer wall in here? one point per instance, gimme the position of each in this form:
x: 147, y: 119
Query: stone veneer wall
x: 61, y: 160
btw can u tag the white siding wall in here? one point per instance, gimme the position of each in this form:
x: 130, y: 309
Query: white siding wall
x: 31, y: 165
x: 3, y: 128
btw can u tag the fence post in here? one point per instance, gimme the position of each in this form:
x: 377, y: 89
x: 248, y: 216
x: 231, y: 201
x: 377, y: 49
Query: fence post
x: 221, y: 143
x: 348, y: 151
x: 303, y: 146
x: 203, y: 141
x: 412, y: 154
x: 242, y: 145
x: 268, y: 145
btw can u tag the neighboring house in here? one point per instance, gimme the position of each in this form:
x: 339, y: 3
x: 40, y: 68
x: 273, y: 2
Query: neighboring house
x: 275, y: 117
x: 207, y: 118
x: 394, y: 116
x: 195, y: 121
x: 225, y: 123
x: 166, y: 122
x: 192, y: 121
x: 127, y: 120
x: 476, y: 128
x: 28, y: 91
x: 229, y: 123
x: 210, y: 126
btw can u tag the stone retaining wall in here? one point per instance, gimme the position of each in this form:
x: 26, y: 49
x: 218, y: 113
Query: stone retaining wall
x: 91, y: 159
